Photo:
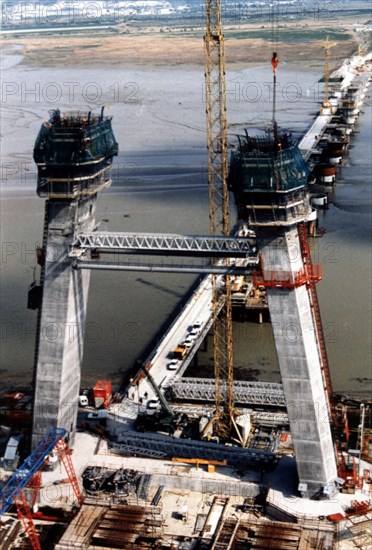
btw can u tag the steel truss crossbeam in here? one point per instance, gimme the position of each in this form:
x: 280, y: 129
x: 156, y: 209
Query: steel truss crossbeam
x: 258, y: 417
x: 154, y: 243
x: 247, y: 393
x: 147, y: 444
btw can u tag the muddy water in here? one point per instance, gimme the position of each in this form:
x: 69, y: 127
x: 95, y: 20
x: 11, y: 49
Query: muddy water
x: 160, y: 185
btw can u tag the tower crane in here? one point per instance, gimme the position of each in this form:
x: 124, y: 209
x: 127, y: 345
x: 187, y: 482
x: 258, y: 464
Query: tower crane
x: 326, y: 103
x: 219, y: 210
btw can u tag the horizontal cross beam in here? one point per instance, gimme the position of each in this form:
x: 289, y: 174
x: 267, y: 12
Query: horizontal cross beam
x: 248, y: 393
x: 165, y: 244
x: 163, y: 268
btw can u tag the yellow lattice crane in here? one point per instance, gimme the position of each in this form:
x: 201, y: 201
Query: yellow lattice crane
x: 326, y: 103
x: 219, y: 214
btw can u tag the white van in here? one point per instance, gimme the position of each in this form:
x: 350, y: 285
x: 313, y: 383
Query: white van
x: 173, y: 364
x: 83, y: 401
x: 153, y: 403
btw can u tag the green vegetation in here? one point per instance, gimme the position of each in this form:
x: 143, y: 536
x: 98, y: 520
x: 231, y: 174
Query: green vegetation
x: 283, y: 34
x: 289, y: 34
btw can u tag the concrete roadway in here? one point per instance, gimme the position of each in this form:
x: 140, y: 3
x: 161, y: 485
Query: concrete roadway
x: 198, y: 308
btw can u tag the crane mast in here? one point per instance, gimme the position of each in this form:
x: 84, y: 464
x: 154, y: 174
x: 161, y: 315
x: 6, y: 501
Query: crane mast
x: 219, y: 208
x: 326, y: 102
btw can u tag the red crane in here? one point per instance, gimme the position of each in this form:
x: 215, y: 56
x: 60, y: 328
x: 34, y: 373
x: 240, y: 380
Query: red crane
x: 29, y: 474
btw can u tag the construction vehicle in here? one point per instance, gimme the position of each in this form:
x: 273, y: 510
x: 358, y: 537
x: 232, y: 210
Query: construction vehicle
x: 180, y: 352
x: 165, y: 420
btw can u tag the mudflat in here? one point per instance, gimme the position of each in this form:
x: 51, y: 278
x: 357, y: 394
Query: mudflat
x: 112, y: 47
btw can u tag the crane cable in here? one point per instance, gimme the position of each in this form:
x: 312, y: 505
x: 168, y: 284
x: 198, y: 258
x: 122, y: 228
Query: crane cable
x: 274, y: 63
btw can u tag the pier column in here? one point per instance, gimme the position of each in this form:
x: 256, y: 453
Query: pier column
x: 73, y: 153
x: 269, y: 178
x: 299, y: 361
x: 62, y: 321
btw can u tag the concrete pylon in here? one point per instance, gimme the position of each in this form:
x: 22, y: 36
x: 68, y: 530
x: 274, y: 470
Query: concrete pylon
x: 299, y: 361
x: 62, y: 322
x: 269, y: 179
x: 74, y: 154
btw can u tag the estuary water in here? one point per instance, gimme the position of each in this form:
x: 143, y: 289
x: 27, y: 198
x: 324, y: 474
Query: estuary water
x: 160, y: 185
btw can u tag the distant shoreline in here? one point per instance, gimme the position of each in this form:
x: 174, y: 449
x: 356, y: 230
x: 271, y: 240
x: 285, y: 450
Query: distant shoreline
x: 246, y: 44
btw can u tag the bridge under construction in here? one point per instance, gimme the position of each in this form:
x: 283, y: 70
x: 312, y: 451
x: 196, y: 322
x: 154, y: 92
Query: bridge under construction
x: 268, y: 178
x: 240, y: 425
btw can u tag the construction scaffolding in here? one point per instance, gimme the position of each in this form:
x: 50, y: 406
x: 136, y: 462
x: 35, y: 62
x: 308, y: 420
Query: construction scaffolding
x: 153, y: 445
x: 245, y: 393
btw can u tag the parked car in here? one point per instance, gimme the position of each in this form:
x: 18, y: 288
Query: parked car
x: 173, y: 364
x: 189, y: 341
x: 153, y: 403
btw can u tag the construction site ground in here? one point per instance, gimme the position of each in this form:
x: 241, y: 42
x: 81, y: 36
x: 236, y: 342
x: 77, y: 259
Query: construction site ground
x: 180, y: 516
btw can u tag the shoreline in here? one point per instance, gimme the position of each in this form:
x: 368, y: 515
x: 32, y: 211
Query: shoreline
x: 112, y: 48
x: 110, y: 207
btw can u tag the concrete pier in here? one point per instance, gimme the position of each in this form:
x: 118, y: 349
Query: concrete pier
x: 299, y: 361
x: 269, y: 181
x: 63, y: 314
x: 73, y: 153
